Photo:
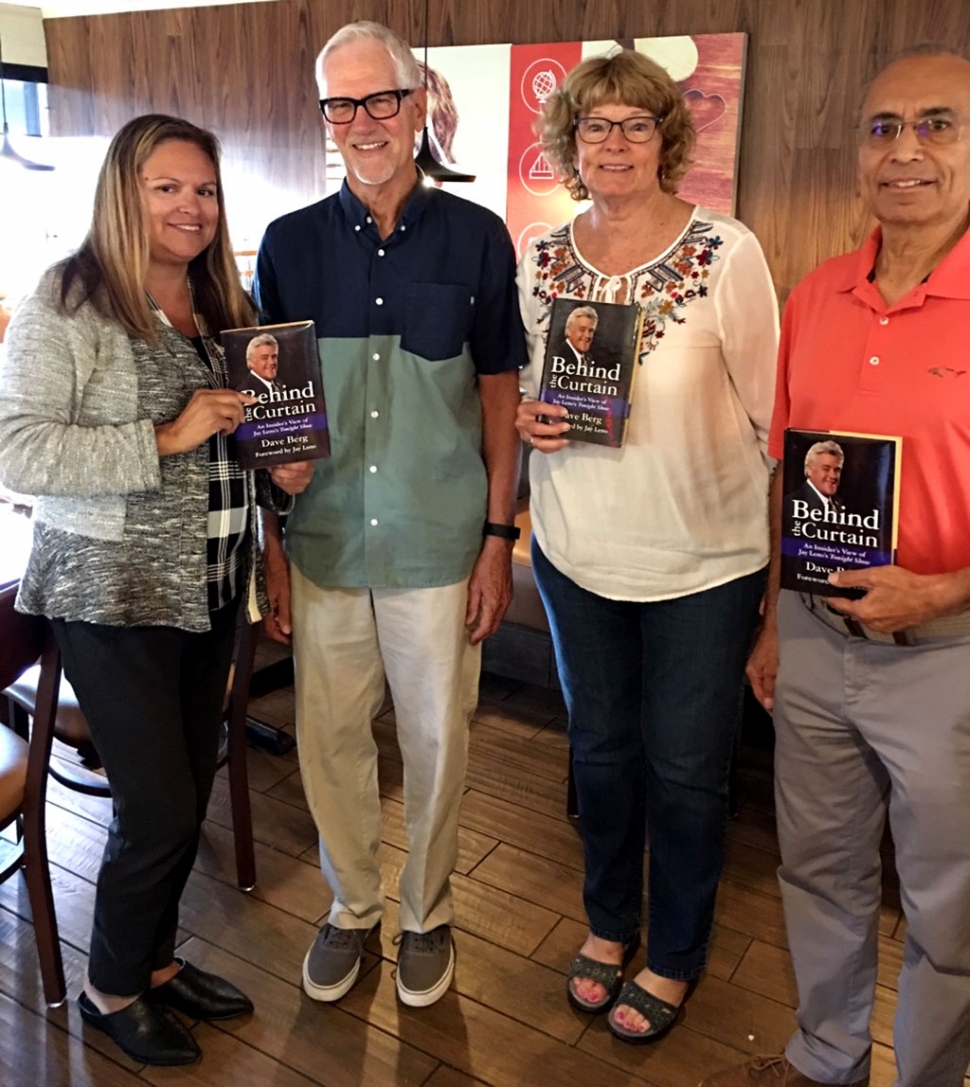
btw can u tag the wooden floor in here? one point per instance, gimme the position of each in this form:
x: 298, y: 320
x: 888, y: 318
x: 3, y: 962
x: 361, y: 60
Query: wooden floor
x: 519, y: 920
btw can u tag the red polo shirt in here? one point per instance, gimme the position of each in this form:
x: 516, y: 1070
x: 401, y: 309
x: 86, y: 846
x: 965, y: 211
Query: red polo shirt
x: 847, y: 361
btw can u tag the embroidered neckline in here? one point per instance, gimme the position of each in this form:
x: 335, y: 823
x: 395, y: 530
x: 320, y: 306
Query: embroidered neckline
x: 633, y: 273
x: 664, y: 287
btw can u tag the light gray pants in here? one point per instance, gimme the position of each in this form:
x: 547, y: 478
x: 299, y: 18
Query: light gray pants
x: 862, y: 729
x: 344, y: 643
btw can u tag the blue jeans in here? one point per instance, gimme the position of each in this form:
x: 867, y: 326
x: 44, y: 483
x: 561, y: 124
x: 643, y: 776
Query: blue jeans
x: 653, y: 693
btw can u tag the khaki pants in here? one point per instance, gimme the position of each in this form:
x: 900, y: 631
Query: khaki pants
x: 865, y: 729
x: 345, y: 641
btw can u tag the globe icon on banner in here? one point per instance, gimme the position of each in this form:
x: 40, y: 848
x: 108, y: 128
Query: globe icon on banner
x: 543, y: 84
x: 539, y: 81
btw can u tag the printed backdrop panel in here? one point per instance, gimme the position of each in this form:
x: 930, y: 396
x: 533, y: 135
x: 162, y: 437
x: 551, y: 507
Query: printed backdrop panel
x: 708, y: 68
x: 468, y: 109
x: 484, y: 101
x: 468, y: 105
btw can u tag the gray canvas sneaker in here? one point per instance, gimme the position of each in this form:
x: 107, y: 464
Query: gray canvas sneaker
x: 425, y: 966
x: 332, y: 964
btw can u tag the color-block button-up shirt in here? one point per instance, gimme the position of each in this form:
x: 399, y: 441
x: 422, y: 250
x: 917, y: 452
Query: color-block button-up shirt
x: 405, y: 324
x: 848, y: 361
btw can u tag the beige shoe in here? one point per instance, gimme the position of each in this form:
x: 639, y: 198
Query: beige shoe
x: 775, y: 1071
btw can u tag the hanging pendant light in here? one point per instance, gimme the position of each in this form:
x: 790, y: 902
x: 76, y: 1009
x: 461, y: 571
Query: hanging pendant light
x: 7, y: 150
x: 425, y: 161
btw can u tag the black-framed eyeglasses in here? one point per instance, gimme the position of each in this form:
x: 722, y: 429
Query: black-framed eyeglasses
x: 381, y: 106
x: 884, y: 131
x: 639, y: 129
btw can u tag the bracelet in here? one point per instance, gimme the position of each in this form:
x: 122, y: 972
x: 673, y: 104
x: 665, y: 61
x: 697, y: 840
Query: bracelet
x: 507, y: 532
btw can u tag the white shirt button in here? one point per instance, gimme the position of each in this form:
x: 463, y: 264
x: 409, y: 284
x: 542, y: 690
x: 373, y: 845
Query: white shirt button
x: 369, y: 219
x: 376, y: 357
x: 373, y: 468
x: 373, y: 522
x: 357, y: 227
x: 374, y: 414
x: 874, y: 361
x: 380, y: 252
x: 379, y: 301
x: 884, y: 320
x: 404, y: 228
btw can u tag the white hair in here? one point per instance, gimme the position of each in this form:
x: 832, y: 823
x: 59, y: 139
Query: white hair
x: 408, y: 72
x: 579, y: 312
x: 821, y: 449
x: 264, y: 339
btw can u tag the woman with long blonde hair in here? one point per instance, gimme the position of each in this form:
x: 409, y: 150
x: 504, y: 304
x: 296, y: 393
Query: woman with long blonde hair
x: 114, y: 413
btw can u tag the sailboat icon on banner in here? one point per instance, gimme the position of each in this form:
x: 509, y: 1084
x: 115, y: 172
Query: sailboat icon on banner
x: 540, y: 170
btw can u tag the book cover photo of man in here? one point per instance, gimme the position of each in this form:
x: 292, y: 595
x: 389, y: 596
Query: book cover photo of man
x: 823, y: 475
x: 263, y: 363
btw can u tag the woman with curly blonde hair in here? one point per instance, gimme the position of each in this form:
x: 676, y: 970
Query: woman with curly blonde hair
x: 650, y: 558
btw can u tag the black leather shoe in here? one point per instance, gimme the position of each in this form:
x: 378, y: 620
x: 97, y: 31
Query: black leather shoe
x: 146, y: 1033
x: 199, y: 995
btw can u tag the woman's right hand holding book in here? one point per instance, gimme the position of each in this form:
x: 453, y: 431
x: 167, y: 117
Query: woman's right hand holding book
x: 208, y: 412
x: 547, y: 437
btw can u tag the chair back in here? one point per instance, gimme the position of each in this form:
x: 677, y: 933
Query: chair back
x: 21, y: 638
x: 24, y: 638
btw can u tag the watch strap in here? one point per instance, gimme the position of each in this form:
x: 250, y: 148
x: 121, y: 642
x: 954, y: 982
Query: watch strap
x: 506, y: 532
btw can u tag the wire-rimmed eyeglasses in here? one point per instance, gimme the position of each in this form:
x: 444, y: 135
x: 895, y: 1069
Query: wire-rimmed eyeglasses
x: 884, y: 131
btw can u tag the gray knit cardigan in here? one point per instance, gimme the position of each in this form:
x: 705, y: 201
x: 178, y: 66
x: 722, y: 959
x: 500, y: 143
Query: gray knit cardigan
x: 119, y: 533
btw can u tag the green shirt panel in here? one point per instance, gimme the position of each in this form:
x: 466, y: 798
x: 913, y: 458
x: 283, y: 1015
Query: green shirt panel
x: 401, y: 501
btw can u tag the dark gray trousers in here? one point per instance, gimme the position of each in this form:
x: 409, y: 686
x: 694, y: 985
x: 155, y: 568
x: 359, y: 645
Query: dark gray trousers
x: 153, y: 698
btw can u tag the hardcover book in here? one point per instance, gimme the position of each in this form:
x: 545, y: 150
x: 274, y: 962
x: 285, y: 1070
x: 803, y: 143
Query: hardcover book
x: 279, y: 365
x: 590, y: 365
x: 840, y: 509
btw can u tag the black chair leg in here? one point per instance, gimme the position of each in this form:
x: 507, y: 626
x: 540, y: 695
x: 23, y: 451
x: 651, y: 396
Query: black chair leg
x: 37, y: 876
x: 242, y: 819
x: 36, y: 866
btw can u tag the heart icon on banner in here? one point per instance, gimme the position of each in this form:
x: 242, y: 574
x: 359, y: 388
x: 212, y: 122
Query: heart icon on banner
x: 704, y: 108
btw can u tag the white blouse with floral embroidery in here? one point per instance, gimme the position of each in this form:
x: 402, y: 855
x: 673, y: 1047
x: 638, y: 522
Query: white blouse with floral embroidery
x: 682, y: 506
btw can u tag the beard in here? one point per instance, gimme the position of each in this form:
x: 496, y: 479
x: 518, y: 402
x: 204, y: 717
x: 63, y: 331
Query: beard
x: 371, y: 173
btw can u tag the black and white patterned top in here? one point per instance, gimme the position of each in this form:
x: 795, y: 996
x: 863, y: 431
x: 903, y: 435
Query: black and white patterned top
x: 228, y: 503
x: 228, y: 498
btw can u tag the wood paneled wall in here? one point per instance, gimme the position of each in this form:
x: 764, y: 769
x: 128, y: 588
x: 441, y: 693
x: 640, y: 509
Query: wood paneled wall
x: 246, y: 71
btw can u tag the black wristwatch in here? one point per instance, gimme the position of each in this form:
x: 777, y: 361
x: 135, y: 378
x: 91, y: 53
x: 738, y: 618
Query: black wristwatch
x: 507, y: 532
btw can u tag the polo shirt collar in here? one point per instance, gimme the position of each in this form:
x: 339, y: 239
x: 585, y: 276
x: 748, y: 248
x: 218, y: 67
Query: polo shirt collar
x: 857, y: 272
x: 357, y: 214
x: 950, y: 278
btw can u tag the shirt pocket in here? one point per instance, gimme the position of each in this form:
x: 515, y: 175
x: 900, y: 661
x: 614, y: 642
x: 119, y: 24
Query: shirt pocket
x: 437, y: 321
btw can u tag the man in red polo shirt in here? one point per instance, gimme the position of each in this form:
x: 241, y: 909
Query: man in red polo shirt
x: 872, y: 698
